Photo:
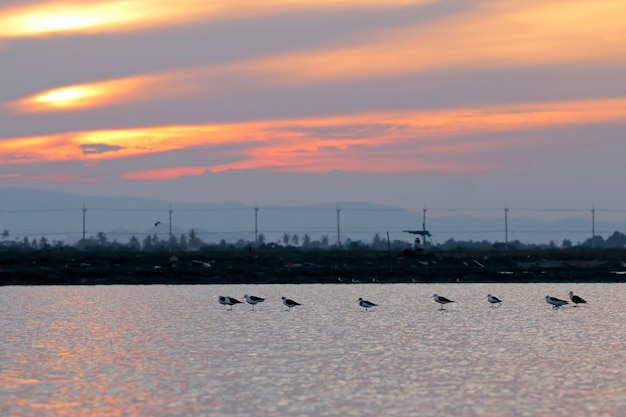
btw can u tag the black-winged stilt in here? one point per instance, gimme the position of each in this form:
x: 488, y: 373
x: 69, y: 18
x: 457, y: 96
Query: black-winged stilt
x: 556, y: 302
x: 289, y: 303
x: 228, y: 301
x: 252, y: 300
x: 576, y: 299
x: 493, y: 300
x: 366, y: 304
x: 441, y: 300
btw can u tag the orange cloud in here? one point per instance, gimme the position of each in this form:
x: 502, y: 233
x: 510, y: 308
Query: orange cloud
x: 97, y: 94
x: 111, y: 92
x: 123, y: 143
x: 498, y: 34
x: 372, y: 142
x: 509, y: 33
x: 163, y: 174
x: 84, y: 16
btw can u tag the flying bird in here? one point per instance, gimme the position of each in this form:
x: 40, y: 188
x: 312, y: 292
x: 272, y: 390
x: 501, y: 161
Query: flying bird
x: 576, y: 299
x: 556, y: 303
x: 366, y: 304
x: 441, y: 300
x: 493, y: 300
x: 289, y: 303
x: 252, y: 300
x: 156, y: 223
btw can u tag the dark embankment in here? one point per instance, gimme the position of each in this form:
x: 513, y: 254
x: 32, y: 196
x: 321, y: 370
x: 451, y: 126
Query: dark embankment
x: 277, y: 266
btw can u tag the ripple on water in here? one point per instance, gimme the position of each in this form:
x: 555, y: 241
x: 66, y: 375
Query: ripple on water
x: 173, y: 350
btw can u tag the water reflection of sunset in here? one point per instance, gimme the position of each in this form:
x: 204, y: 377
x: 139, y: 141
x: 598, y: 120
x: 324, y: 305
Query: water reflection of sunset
x: 80, y: 364
x: 172, y: 350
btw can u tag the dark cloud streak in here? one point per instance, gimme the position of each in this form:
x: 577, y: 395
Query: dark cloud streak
x: 98, y: 148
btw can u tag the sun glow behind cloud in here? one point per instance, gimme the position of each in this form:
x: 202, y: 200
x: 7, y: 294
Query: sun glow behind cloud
x: 84, y: 16
x: 98, y: 94
x: 504, y: 34
x: 496, y: 35
x: 442, y: 141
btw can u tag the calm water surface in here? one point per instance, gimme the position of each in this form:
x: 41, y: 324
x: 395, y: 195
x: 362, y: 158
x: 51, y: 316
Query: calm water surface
x: 174, y: 351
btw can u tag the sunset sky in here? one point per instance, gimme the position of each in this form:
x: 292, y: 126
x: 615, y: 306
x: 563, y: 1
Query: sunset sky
x: 439, y: 103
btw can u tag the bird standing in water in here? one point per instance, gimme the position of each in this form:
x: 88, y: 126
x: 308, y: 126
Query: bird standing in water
x: 289, y: 303
x: 555, y: 302
x: 576, y: 299
x: 366, y: 304
x: 252, y: 300
x: 493, y: 300
x: 441, y: 300
x: 228, y: 301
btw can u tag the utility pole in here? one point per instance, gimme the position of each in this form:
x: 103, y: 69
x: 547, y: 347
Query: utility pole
x: 84, y: 221
x: 506, y: 227
x: 424, y: 225
x: 389, y: 253
x: 338, y: 227
x: 256, y: 224
x: 593, y: 227
x: 170, y: 222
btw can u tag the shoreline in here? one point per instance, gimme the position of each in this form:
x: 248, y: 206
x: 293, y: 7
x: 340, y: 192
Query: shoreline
x: 294, y: 266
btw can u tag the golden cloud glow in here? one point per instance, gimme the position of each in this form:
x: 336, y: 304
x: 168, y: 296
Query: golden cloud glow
x: 509, y: 33
x: 103, y: 93
x: 55, y: 17
x: 163, y: 174
x: 499, y: 34
x: 374, y: 142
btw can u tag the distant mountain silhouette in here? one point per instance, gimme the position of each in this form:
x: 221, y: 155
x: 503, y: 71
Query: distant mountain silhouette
x: 59, y: 216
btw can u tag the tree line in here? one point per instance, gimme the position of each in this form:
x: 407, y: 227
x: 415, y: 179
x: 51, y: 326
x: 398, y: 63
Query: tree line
x: 192, y: 242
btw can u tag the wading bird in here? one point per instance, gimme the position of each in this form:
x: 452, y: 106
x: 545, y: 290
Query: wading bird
x: 252, y: 300
x: 366, y: 304
x: 493, y: 300
x: 556, y: 303
x: 289, y: 303
x: 576, y: 299
x: 441, y: 300
x: 228, y: 301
